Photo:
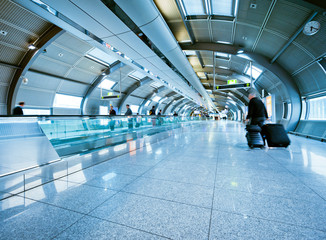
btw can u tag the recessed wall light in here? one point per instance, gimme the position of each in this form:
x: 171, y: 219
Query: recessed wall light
x: 31, y: 46
x: 4, y: 33
x: 60, y: 54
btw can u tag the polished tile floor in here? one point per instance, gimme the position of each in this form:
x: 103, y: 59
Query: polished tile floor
x: 204, y: 183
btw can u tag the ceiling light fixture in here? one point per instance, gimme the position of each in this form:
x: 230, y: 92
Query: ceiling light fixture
x: 31, y: 46
x: 240, y: 51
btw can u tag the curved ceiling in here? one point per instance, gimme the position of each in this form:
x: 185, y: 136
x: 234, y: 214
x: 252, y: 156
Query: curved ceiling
x: 270, y: 29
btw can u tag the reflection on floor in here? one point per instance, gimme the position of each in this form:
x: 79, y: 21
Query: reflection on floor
x: 202, y: 184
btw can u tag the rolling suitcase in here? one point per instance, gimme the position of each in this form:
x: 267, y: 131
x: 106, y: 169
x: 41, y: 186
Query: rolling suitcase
x: 254, y: 137
x: 275, y: 135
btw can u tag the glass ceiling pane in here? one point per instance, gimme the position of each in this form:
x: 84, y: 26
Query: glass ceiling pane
x: 106, y: 84
x: 222, y: 7
x: 156, y: 99
x: 137, y: 75
x: 97, y: 54
x: 255, y: 72
x: 194, y: 7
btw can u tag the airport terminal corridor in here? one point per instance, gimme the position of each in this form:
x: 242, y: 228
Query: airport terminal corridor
x: 202, y: 183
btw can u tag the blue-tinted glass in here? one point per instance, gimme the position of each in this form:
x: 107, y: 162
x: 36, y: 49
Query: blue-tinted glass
x: 194, y: 7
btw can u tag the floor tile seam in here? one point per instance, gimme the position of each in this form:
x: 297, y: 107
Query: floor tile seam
x: 180, y: 182
x: 260, y: 177
x: 123, y: 175
x: 166, y: 200
x: 268, y: 195
x: 171, y: 181
x: 51, y: 204
x: 195, y: 172
x: 270, y: 220
x: 124, y: 187
x: 243, y: 177
x: 120, y: 224
x: 212, y: 205
x: 84, y: 215
x: 302, y: 181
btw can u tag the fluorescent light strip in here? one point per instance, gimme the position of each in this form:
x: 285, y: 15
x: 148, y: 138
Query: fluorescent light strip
x: 97, y: 60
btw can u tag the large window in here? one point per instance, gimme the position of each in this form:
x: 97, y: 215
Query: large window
x: 34, y: 111
x: 104, y: 110
x: 194, y: 7
x: 134, y: 109
x: 222, y: 7
x: 66, y: 101
x: 304, y: 110
x: 317, y: 108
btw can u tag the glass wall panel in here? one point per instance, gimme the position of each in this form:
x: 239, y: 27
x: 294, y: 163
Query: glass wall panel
x: 317, y: 108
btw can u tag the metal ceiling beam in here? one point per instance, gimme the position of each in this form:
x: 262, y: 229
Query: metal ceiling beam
x: 294, y: 36
x: 45, y: 40
x: 171, y: 102
x: 215, y: 47
x: 183, y: 104
x: 262, y: 28
x: 185, y: 22
x: 149, y: 96
x: 133, y: 88
x: 113, y: 67
x: 200, y: 59
x: 176, y: 105
x: 9, y: 65
x: 219, y: 71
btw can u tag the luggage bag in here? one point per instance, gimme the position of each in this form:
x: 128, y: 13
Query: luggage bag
x: 254, y: 137
x: 275, y: 135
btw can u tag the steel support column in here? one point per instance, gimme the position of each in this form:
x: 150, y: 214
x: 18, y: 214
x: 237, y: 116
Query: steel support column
x: 45, y: 40
x: 113, y: 67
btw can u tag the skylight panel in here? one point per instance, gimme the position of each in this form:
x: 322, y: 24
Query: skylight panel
x: 147, y: 103
x: 156, y: 99
x: 219, y: 54
x: 106, y: 84
x: 134, y: 109
x: 222, y: 7
x: 137, y: 75
x: 189, y: 52
x: 101, y: 57
x: 255, y: 72
x: 194, y: 7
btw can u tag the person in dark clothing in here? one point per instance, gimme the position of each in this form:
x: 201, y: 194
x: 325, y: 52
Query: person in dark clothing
x: 160, y: 119
x: 19, y: 109
x: 257, y: 113
x: 130, y: 120
x: 175, y: 114
x: 152, y: 111
x: 112, y: 122
x: 128, y: 112
x: 112, y: 111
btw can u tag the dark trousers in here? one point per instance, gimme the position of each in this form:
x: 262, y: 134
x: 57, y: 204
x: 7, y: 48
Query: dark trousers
x: 258, y: 121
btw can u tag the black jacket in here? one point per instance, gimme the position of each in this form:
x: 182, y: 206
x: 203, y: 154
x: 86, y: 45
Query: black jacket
x: 256, y: 109
x: 112, y: 112
x: 18, y: 111
x: 152, y: 112
x: 128, y: 112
